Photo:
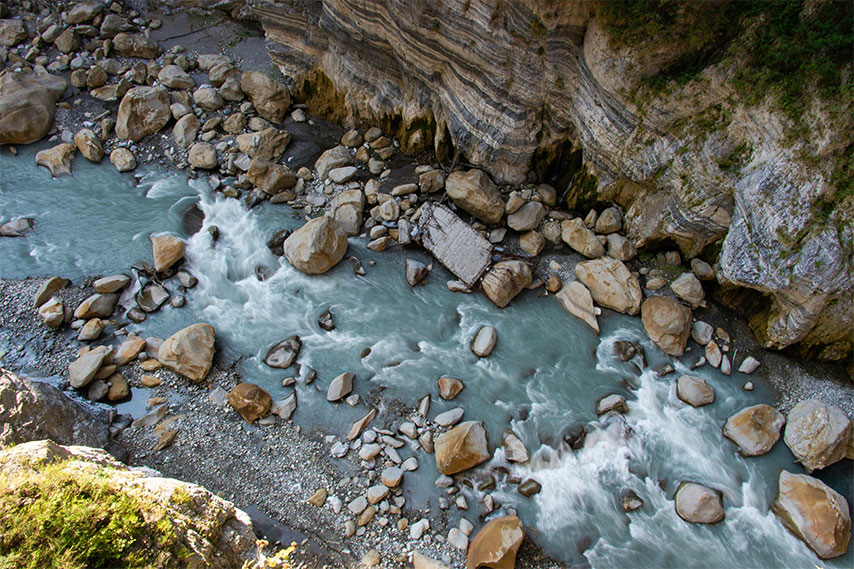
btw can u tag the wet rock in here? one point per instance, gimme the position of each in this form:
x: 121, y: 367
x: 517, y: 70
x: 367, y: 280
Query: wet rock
x: 699, y: 504
x: 151, y: 297
x: 574, y: 434
x: 701, y: 332
x: 97, y: 306
x: 285, y: 353
x: 814, y: 512
x: 119, y: 388
x: 340, y: 387
x: 143, y: 111
x: 631, y: 501
x: 576, y: 299
x: 276, y: 242
x: 57, y: 159
x: 611, y: 284
x: 461, y: 448
x: 89, y: 145
x: 688, y: 288
x: 97, y: 390
x: 613, y: 402
x: 609, y: 221
x: 713, y: 354
x: 317, y: 246
x: 817, y: 434
x: 186, y: 279
x: 449, y: 387
x: 415, y: 271
x: 694, y: 391
x: 484, y: 341
x: 269, y: 177
x: 268, y: 144
x: 754, y: 429
x: 359, y: 426
x: 128, y: 350
x: 27, y: 105
x: 83, y: 369
x: 475, y: 193
x: 450, y: 417
x: 529, y: 487
x: 496, y: 544
x: 454, y: 243
x: 526, y: 217
x: 123, y: 159
x: 505, y: 280
x: 575, y: 234
x: 17, y: 227
x: 189, y: 351
x: 514, y: 448
x: 284, y: 408
x: 667, y: 323
x: 167, y: 250
x: 50, y: 287
x: 250, y: 401
x: 269, y: 97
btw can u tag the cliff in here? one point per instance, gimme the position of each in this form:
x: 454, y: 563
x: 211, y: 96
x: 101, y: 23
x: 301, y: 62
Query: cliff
x: 518, y: 88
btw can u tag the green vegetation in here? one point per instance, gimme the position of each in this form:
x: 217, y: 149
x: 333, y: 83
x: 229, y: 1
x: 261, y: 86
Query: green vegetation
x: 61, y: 517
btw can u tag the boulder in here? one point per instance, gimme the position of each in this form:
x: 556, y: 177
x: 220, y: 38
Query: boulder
x: 576, y: 299
x: 621, y: 248
x: 284, y: 353
x: 532, y: 243
x: 575, y: 234
x: 461, y: 448
x: 817, y: 434
x: 611, y: 284
x: 702, y: 332
x: 82, y: 13
x: 128, y: 350
x: 123, y: 159
x: 340, y: 387
x: 166, y: 250
x: 284, y: 408
x: 27, y: 105
x: 83, y: 369
x: 317, y: 246
x: 699, y: 504
x: 694, y: 391
x: 613, y: 402
x: 455, y: 244
x: 814, y: 512
x: 667, y: 323
x: 702, y: 269
x: 189, y: 351
x: 119, y: 388
x: 484, y: 341
x: 526, y: 217
x: 269, y: 97
x: 12, y: 32
x: 336, y: 157
x: 754, y: 429
x: 220, y: 73
x: 174, y: 77
x: 505, y: 280
x: 514, y: 448
x: 475, y: 193
x: 143, y: 111
x: 89, y: 145
x: 496, y: 544
x: 415, y: 272
x: 268, y: 144
x: 609, y: 221
x: 135, y: 45
x: 449, y: 387
x: 202, y: 155
x: 688, y: 288
x: 208, y: 99
x: 269, y: 177
x: 57, y: 159
x: 97, y: 306
x: 16, y: 227
x: 52, y: 313
x: 250, y: 401
x: 185, y: 130
x: 49, y: 288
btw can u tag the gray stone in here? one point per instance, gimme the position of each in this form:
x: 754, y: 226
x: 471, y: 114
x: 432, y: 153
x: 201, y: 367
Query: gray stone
x: 484, y: 341
x: 698, y: 504
x: 694, y: 391
x: 454, y: 243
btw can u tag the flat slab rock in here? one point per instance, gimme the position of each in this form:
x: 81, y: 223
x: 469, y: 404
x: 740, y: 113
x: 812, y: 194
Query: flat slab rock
x: 454, y: 243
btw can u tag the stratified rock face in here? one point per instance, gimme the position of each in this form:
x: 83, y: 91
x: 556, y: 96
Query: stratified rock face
x: 27, y: 105
x: 506, y: 79
x: 814, y: 512
x: 189, y: 351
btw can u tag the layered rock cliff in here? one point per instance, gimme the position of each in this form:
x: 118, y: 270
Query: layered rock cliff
x: 516, y: 87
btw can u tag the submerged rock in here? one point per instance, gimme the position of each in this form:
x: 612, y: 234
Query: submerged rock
x: 189, y: 351
x: 317, y: 246
x: 754, y: 429
x: 284, y: 353
x: 496, y: 544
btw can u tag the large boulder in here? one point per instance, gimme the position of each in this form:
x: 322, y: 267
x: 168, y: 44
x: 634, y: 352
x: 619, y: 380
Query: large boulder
x: 754, y: 429
x: 335, y: 157
x: 166, y: 250
x: 576, y: 299
x: 269, y: 97
x: 611, y: 284
x: 189, y: 352
x: 817, y: 434
x: 667, y: 323
x: 89, y: 145
x: 496, y: 544
x: 505, y: 280
x: 135, y: 45
x: 97, y: 306
x: 317, y: 246
x: 83, y: 369
x: 699, y: 504
x: 143, y: 111
x: 57, y: 159
x: 461, y: 448
x: 12, y: 32
x: 174, y: 77
x: 284, y: 353
x: 268, y: 144
x: 575, y: 234
x: 527, y: 217
x: 250, y: 401
x: 477, y: 194
x: 688, y: 288
x: 27, y: 105
x: 694, y: 391
x: 269, y: 177
x: 202, y: 155
x: 185, y: 130
x: 814, y: 512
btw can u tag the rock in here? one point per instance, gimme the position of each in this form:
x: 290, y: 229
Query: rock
x: 250, y: 401
x: 814, y: 512
x: 702, y: 270
x: 415, y: 271
x: 611, y: 284
x: 269, y: 177
x: 284, y: 408
x: 454, y: 243
x: 575, y: 234
x: 185, y: 130
x: 89, y: 145
x: 340, y: 387
x: 174, y: 77
x: 268, y: 144
x: 284, y: 354
x: 496, y: 544
x: 12, y: 32
x: 128, y: 351
x: 97, y: 390
x: 208, y: 99
x: 526, y: 217
x: 458, y: 539
x: 135, y: 45
x: 450, y: 417
x: 377, y: 493
x: 505, y: 280
x: 123, y: 159
x: 449, y: 387
x: 336, y: 157
x: 514, y: 448
x: 667, y: 323
x: 698, y: 504
x: 754, y: 429
x: 749, y: 365
x: 189, y: 351
x: 390, y: 210
x: 48, y: 288
x: 475, y: 193
x: 631, y: 501
x: 91, y: 330
x: 52, y: 313
x: 343, y: 175
x: 318, y: 498
x: 27, y: 105
x: 17, y: 227
x: 532, y: 243
x: 484, y: 341
x: 817, y: 434
x: 143, y: 111
x: 119, y: 388
x: 57, y: 159
x: 151, y: 297
x: 202, y: 155
x: 613, y: 402
x: 694, y: 391
x: 360, y: 425
x: 392, y: 476
x: 83, y: 369
x: 317, y: 246
x: 701, y: 332
x: 431, y: 181
x: 609, y: 221
x: 461, y: 448
x: 269, y: 97
x: 97, y: 306
x: 576, y: 299
x: 621, y: 248
x: 688, y: 288
x: 371, y: 558
x: 529, y: 487
x: 166, y: 250
x: 713, y: 354
x: 82, y: 13
x: 421, y: 561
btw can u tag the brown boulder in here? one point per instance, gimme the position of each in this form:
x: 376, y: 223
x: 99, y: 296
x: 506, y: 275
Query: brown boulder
x: 189, y: 352
x: 251, y: 401
x: 667, y: 323
x: 167, y: 250
x: 143, y: 111
x: 505, y: 280
x: 817, y: 434
x: 268, y: 144
x: 269, y: 177
x: 269, y: 97
x: 89, y: 145
x: 317, y: 246
x: 754, y: 429
x: 27, y: 105
x: 496, y: 544
x: 477, y: 194
x: 461, y: 448
x: 135, y: 45
x: 57, y: 159
x: 611, y: 284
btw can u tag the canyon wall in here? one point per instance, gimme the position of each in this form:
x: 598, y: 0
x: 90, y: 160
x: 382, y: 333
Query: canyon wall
x: 515, y: 87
